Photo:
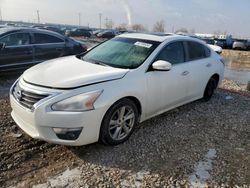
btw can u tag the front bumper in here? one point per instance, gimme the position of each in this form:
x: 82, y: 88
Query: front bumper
x: 39, y: 123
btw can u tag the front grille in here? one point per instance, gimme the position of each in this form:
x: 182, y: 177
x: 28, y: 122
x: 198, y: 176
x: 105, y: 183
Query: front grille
x: 26, y: 98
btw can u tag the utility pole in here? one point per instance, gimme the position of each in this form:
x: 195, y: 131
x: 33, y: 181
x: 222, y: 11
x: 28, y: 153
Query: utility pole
x: 79, y: 14
x: 111, y: 23
x: 106, y: 21
x: 38, y: 16
x: 173, y: 29
x: 100, y: 20
x: 1, y: 18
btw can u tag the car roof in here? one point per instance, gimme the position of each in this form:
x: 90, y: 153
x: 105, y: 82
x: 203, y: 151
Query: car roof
x: 8, y: 30
x: 159, y: 37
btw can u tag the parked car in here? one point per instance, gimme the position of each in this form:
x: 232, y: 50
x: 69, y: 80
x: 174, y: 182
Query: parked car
x: 221, y: 42
x: 55, y: 29
x: 37, y: 26
x: 96, y: 32
x: 11, y: 24
x: 106, y: 34
x: 240, y: 45
x: 79, y: 33
x: 248, y: 44
x: 208, y: 41
x: 21, y: 48
x: 65, y: 29
x: 104, y: 93
x: 3, y: 26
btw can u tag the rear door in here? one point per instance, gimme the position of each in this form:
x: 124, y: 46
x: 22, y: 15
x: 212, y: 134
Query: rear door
x: 17, y: 52
x: 47, y: 47
x: 201, y: 67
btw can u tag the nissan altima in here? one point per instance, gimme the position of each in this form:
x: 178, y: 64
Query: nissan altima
x: 106, y: 92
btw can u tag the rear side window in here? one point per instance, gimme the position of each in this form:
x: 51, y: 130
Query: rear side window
x: 173, y: 53
x: 17, y: 39
x: 207, y: 51
x: 44, y: 38
x: 197, y: 51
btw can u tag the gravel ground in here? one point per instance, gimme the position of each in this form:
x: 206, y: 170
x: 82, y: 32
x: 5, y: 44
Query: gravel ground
x: 198, y: 144
x: 234, y: 86
x: 6, y: 80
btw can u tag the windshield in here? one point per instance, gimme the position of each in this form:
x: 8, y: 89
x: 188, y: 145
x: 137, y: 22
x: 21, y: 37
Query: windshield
x: 121, y: 52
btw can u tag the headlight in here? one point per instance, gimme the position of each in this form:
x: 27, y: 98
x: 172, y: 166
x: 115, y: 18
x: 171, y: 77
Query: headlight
x: 82, y: 102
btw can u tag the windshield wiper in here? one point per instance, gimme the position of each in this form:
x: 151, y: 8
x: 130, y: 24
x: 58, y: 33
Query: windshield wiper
x: 101, y: 63
x: 96, y: 62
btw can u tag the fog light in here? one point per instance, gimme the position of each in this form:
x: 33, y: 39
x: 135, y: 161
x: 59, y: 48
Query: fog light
x: 68, y: 133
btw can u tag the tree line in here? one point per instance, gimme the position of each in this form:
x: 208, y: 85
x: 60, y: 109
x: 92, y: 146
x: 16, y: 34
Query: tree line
x: 159, y: 26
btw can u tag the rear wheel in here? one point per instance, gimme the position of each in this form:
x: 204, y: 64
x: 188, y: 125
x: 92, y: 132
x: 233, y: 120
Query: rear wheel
x: 210, y: 88
x: 119, y: 122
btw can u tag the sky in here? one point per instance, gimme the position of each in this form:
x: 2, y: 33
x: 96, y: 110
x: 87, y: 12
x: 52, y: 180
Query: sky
x: 203, y: 16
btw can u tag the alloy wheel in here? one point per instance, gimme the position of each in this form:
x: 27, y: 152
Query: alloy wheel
x: 121, y: 123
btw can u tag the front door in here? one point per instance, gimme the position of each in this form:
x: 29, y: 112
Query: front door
x: 167, y: 89
x: 17, y: 52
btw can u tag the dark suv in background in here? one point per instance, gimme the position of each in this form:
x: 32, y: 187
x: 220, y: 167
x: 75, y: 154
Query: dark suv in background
x: 109, y: 34
x: 21, y: 48
x: 78, y: 32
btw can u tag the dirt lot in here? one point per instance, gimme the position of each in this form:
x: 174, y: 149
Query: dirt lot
x: 239, y: 60
x: 196, y: 144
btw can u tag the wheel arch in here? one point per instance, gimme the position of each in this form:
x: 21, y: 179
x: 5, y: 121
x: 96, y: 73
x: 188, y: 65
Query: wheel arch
x: 133, y: 99
x: 137, y: 103
x: 216, y: 76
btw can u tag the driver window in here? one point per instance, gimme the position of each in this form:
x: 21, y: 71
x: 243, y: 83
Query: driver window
x: 173, y: 53
x: 17, y: 39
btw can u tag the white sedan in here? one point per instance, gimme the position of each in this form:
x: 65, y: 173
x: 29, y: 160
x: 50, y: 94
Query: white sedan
x: 104, y: 93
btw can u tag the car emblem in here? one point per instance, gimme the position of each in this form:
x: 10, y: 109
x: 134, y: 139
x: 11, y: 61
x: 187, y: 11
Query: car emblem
x: 19, y: 95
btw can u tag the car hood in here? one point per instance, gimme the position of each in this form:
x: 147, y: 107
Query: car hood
x: 70, y: 72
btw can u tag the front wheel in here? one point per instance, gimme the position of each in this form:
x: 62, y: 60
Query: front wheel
x: 210, y: 88
x: 119, y: 122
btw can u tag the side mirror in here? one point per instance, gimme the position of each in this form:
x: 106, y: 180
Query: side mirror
x: 161, y: 65
x: 216, y: 48
x: 2, y: 46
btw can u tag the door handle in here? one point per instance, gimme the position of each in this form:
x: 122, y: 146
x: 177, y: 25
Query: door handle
x: 209, y: 65
x: 184, y: 73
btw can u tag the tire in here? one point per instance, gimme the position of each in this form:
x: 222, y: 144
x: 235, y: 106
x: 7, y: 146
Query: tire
x: 210, y: 88
x: 114, y: 129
